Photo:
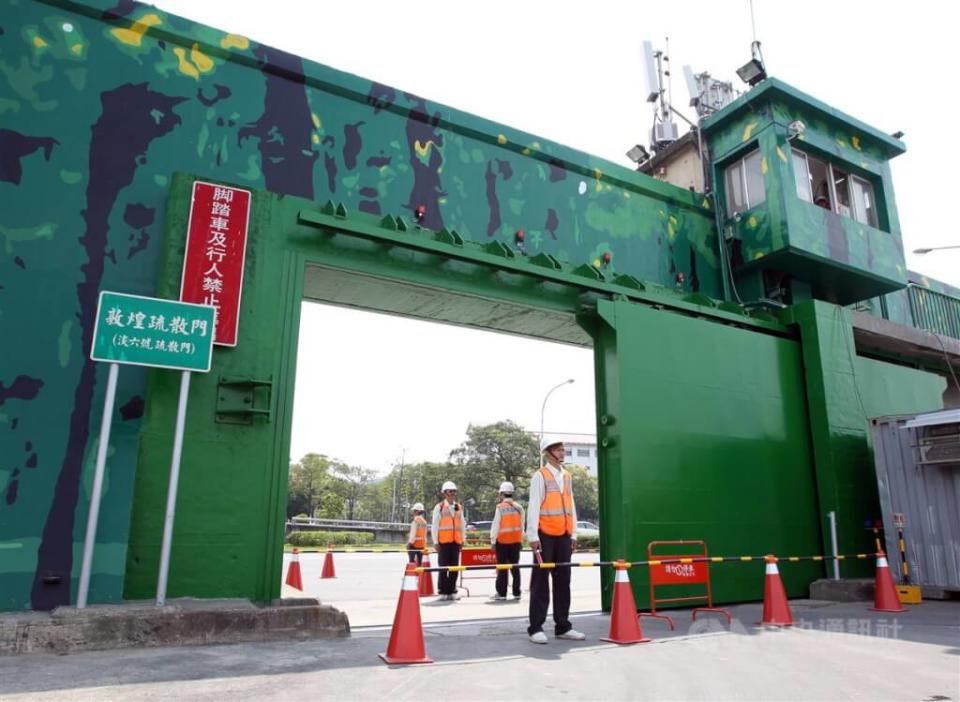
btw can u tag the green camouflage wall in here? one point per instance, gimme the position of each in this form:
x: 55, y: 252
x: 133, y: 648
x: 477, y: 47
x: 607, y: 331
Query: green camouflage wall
x: 101, y: 103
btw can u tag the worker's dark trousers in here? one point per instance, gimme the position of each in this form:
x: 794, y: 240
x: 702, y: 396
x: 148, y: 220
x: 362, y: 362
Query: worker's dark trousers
x: 449, y: 554
x: 553, y: 549
x: 415, y: 555
x: 508, y: 553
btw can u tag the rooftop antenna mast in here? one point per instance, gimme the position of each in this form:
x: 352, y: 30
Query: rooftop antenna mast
x: 657, y: 68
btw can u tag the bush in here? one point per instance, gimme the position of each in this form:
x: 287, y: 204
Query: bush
x: 588, y: 542
x: 322, y: 538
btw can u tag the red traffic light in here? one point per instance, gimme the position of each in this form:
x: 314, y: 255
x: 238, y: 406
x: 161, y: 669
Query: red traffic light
x: 607, y: 256
x: 519, y: 236
x: 420, y: 212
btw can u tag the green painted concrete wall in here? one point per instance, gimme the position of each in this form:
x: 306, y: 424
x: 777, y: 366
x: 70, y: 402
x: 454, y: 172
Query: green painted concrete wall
x: 102, y: 105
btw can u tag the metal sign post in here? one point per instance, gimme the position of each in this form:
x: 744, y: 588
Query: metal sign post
x: 144, y: 331
x: 84, y: 586
x: 172, y: 490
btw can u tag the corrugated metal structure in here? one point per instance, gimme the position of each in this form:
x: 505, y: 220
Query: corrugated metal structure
x: 918, y: 476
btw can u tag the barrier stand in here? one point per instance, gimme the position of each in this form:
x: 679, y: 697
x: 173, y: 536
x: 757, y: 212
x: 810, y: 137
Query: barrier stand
x: 476, y: 557
x: 680, y: 569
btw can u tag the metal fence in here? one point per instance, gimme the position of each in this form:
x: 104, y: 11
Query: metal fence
x: 934, y: 311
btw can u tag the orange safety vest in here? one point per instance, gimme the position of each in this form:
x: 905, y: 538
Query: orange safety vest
x: 451, y: 525
x: 511, y: 529
x: 420, y: 541
x: 556, y: 510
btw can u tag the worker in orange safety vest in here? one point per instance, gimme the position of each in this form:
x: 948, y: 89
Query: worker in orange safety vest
x: 506, y: 536
x: 448, y: 531
x: 552, y: 533
x: 417, y: 538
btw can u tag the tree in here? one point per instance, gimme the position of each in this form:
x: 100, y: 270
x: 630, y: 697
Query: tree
x: 352, y: 484
x: 585, y: 492
x: 309, y: 484
x: 491, y: 454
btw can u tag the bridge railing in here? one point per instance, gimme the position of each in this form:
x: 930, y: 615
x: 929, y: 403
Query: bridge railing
x: 356, y: 525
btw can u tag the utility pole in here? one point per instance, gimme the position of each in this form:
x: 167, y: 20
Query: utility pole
x: 403, y: 456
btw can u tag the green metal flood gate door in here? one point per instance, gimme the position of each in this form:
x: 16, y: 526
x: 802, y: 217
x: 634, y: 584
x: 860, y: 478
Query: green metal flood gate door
x: 701, y: 412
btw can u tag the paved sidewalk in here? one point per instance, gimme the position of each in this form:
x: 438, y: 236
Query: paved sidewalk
x: 836, y: 652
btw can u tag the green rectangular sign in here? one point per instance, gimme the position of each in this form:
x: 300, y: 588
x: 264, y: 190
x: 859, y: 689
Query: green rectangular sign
x: 148, y: 331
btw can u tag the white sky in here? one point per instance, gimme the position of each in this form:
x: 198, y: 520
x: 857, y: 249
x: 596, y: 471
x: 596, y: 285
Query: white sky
x: 572, y: 73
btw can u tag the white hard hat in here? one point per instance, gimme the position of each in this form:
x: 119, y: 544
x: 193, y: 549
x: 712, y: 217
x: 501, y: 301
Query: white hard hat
x: 506, y: 486
x: 449, y: 485
x: 417, y: 507
x: 548, y: 441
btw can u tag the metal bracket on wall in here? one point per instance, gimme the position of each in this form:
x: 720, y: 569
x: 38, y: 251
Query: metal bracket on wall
x: 237, y: 400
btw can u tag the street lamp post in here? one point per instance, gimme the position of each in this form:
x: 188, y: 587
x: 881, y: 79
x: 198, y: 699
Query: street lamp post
x: 544, y: 407
x: 933, y: 248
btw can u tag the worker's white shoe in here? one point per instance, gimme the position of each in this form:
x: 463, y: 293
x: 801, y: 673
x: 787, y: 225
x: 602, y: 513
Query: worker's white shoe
x: 573, y: 635
x: 497, y: 598
x: 538, y: 638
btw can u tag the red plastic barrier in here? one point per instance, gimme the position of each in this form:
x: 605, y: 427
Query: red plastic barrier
x: 694, y: 572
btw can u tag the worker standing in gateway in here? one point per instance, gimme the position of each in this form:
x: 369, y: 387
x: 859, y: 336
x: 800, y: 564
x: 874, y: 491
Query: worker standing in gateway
x: 551, y: 530
x: 449, y: 531
x: 417, y: 538
x: 506, y: 535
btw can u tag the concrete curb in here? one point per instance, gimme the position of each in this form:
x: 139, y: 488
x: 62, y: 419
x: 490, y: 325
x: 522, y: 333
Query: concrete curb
x: 181, y: 622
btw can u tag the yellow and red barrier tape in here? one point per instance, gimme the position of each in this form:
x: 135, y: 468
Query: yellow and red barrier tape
x: 650, y: 562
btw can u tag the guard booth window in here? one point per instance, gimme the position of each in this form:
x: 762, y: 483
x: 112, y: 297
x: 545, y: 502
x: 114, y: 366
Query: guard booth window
x: 744, y: 183
x: 834, y: 189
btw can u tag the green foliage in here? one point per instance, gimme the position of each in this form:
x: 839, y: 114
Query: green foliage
x: 585, y: 493
x: 322, y: 538
x: 328, y: 488
x: 588, y: 542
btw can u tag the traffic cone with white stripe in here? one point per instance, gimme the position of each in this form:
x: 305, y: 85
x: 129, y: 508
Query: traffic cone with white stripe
x: 426, y: 577
x: 776, y: 609
x: 293, y: 571
x: 406, y: 636
x: 624, y: 621
x: 885, y: 597
x: 328, y: 571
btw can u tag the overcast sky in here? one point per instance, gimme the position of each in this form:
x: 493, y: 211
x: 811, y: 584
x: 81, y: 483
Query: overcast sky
x: 572, y: 73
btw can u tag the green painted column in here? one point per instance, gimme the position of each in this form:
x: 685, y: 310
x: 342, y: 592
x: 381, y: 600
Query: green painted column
x: 843, y: 392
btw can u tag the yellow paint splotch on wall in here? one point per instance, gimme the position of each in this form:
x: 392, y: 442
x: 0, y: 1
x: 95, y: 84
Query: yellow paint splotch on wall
x: 316, y: 120
x: 235, y: 41
x: 185, y: 66
x: 855, y: 140
x: 203, y: 62
x: 758, y: 255
x: 748, y: 131
x: 422, y: 149
x: 315, y: 139
x: 752, y: 222
x: 782, y: 156
x: 39, y: 42
x: 133, y: 35
x: 501, y: 139
x: 764, y: 166
x: 76, y: 49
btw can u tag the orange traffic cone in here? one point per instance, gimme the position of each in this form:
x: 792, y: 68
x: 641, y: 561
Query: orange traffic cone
x: 624, y: 622
x: 406, y: 637
x: 293, y: 572
x: 885, y: 598
x: 426, y: 577
x: 328, y: 571
x: 776, y: 609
